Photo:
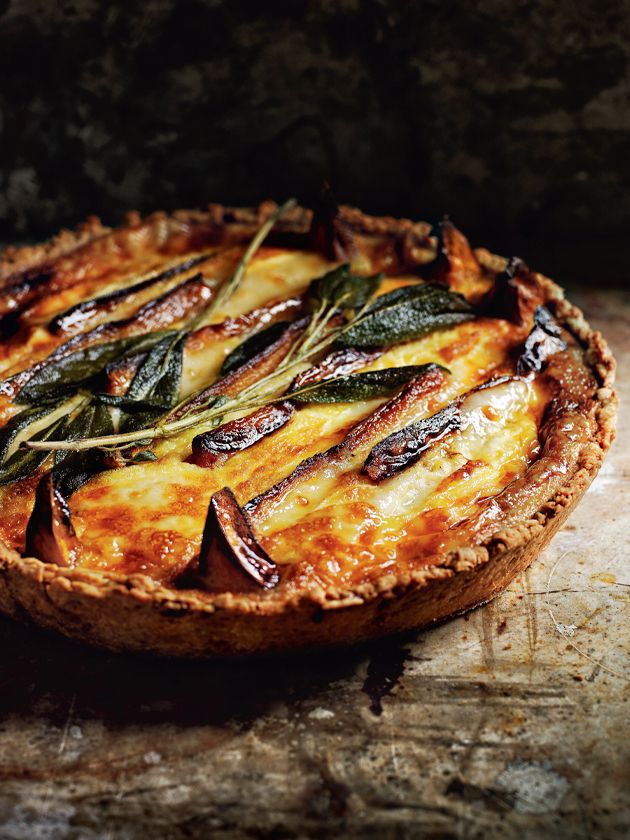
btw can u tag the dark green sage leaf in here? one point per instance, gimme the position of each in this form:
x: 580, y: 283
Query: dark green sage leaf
x: 158, y: 377
x: 74, y: 427
x: 19, y: 422
x: 24, y: 462
x: 155, y: 387
x: 127, y: 405
x: 252, y: 346
x: 64, y: 375
x: 166, y: 389
x: 360, y: 386
x: 142, y: 456
x: 73, y: 469
x: 405, y: 314
x: 340, y: 289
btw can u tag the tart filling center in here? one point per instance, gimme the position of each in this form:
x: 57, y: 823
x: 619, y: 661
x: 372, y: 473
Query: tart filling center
x: 364, y: 410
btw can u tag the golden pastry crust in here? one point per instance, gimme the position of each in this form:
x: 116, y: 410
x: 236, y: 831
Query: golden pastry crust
x: 135, y: 613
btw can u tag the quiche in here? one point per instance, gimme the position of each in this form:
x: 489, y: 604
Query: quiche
x: 248, y: 430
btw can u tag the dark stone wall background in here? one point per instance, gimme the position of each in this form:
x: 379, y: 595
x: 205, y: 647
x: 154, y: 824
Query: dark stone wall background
x: 512, y: 116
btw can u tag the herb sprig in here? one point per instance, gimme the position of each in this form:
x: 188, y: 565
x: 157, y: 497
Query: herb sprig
x: 373, y: 323
x: 152, y: 393
x: 345, y: 312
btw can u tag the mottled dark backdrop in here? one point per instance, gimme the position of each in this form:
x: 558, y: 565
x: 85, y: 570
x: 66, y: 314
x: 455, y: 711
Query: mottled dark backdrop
x: 513, y: 116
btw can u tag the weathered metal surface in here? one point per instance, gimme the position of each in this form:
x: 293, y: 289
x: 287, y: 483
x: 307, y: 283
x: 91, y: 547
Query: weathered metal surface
x: 511, y: 722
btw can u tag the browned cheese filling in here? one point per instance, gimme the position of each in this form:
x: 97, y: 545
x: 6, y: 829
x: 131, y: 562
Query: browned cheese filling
x: 333, y: 493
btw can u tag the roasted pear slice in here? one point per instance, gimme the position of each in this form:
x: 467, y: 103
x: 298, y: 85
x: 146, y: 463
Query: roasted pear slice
x: 49, y: 533
x: 214, y: 447
x: 231, y: 559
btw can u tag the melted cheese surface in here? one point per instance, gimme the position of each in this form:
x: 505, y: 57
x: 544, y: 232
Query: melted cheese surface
x: 333, y: 523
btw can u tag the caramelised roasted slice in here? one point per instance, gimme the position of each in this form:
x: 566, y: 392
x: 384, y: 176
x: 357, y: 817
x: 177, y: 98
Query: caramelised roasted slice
x: 211, y: 448
x: 49, y: 532
x: 230, y: 558
x: 87, y: 313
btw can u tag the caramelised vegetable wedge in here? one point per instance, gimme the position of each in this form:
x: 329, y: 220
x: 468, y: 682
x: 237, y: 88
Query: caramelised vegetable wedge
x: 87, y: 313
x: 337, y: 363
x: 456, y: 264
x: 214, y: 447
x: 49, y: 532
x: 17, y: 293
x: 403, y: 448
x: 313, y: 475
x: 543, y: 342
x: 231, y: 559
x: 514, y: 295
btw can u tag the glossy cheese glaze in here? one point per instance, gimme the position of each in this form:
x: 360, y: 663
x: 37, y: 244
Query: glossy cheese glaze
x: 332, y: 524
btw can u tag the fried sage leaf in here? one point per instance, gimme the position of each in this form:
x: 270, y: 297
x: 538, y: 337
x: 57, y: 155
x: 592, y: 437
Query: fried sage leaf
x: 403, y: 448
x: 543, y: 341
x: 340, y: 289
x: 155, y: 386
x: 49, y: 534
x: 359, y: 386
x: 76, y: 369
x: 405, y: 314
x: 158, y: 377
x: 73, y: 469
x: 231, y: 559
x: 24, y: 462
x: 19, y: 422
x: 75, y: 425
x: 252, y: 346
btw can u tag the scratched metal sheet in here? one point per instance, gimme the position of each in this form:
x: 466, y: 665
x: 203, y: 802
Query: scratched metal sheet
x: 510, y: 722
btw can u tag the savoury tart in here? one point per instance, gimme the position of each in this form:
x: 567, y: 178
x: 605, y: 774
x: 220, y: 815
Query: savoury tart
x: 247, y: 430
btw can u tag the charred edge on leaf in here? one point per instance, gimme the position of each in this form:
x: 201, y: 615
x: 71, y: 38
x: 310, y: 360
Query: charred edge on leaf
x: 214, y: 447
x: 231, y: 559
x: 50, y: 535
